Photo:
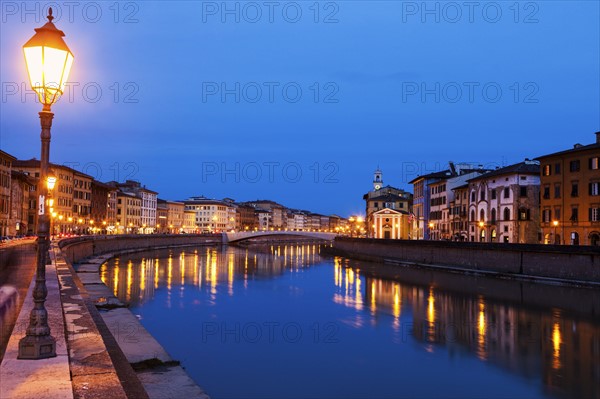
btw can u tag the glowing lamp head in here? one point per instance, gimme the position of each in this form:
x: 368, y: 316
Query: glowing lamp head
x: 51, y: 182
x: 49, y: 62
x: 555, y: 223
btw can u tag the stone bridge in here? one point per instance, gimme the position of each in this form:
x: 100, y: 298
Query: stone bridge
x: 247, y: 235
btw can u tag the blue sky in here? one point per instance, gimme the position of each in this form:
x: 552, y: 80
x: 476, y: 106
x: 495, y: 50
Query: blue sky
x: 299, y: 102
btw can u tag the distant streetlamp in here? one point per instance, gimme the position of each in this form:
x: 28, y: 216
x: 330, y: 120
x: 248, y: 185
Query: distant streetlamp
x: 482, y: 232
x: 49, y: 62
x: 50, y: 183
x: 555, y: 224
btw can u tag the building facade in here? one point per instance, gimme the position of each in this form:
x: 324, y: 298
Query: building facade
x: 212, y: 216
x: 570, y: 200
x: 6, y: 162
x: 129, y: 213
x: 442, y: 200
x: 504, y: 205
x: 148, y: 204
x: 391, y: 224
x: 384, y: 197
x: 246, y: 219
x: 22, y: 189
x: 99, y: 206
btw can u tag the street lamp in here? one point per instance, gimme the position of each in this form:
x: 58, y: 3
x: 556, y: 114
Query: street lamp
x: 49, y: 62
x: 555, y: 224
x: 50, y: 183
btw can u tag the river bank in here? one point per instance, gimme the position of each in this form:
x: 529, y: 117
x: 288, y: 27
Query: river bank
x: 541, y: 263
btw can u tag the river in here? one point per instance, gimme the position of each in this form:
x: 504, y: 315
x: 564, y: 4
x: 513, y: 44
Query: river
x: 282, y: 321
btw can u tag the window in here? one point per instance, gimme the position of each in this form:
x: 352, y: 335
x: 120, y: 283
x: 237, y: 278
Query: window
x: 594, y: 188
x: 556, y: 213
x: 574, y: 166
x: 557, y: 169
x: 546, y: 215
x: 574, y: 190
x: 472, y: 216
x: 546, y: 170
x: 546, y: 192
x: 523, y: 191
x: 594, y: 215
x: 482, y: 195
x: 574, y: 214
x: 506, y: 214
x: 494, y: 216
x: 494, y: 194
x: 594, y: 163
x: 557, y: 191
x: 506, y: 192
x: 473, y: 196
x: 524, y: 214
x: 482, y: 215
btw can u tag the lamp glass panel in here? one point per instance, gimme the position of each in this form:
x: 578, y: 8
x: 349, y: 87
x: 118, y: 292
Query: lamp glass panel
x: 48, y: 69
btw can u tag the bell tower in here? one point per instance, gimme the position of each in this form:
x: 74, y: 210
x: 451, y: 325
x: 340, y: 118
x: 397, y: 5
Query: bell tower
x: 377, y: 179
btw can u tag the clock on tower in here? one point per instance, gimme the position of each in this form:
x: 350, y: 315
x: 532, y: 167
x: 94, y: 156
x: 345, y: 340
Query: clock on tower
x: 377, y: 179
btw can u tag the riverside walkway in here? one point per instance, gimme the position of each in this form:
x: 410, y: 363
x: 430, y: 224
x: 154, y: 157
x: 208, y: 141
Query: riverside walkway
x: 102, y: 349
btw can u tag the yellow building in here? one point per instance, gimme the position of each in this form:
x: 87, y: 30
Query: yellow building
x: 390, y: 224
x: 189, y: 222
x: 129, y: 213
x: 570, y: 195
x: 71, y: 197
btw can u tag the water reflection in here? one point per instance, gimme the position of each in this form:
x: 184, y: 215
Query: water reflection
x: 553, y: 347
x: 210, y: 266
x: 527, y: 342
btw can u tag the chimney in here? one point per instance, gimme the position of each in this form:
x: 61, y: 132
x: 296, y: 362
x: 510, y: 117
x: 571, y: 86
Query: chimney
x: 597, y: 137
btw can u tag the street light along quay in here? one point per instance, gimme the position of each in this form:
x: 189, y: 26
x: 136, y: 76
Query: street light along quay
x: 49, y: 62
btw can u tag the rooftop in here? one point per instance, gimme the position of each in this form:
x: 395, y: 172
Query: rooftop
x: 576, y: 148
x: 523, y: 168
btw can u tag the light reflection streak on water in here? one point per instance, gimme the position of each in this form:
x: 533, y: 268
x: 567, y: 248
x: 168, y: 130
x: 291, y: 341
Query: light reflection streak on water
x: 481, y: 331
x: 116, y: 278
x: 196, y: 265
x: 129, y: 279
x: 230, y: 273
x: 182, y: 267
x: 156, y: 274
x: 431, y: 331
x: 143, y: 275
x: 556, y: 340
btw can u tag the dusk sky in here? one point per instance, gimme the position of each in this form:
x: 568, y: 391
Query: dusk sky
x: 318, y: 94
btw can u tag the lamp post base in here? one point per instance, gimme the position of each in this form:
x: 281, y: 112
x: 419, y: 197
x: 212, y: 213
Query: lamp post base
x: 37, y: 347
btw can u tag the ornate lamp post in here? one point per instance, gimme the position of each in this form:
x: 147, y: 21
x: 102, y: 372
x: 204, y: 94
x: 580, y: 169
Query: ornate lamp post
x: 49, y: 62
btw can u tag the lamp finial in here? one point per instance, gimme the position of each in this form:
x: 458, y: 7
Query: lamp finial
x: 50, y: 17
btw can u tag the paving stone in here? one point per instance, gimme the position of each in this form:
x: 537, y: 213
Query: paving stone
x: 170, y: 382
x: 98, y: 386
x: 90, y: 278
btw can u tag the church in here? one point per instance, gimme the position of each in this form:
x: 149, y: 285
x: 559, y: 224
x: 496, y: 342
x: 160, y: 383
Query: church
x: 388, y: 210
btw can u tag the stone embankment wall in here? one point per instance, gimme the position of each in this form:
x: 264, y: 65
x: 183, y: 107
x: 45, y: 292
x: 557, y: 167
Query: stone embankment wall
x: 82, y: 247
x: 571, y: 263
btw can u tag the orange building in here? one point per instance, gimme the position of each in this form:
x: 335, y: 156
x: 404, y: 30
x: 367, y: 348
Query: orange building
x: 570, y: 195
